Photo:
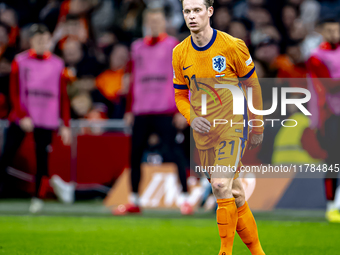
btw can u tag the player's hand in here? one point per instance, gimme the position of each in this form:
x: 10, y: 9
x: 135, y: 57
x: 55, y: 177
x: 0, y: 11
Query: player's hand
x: 129, y: 119
x: 179, y: 121
x: 26, y: 124
x: 255, y: 140
x: 66, y: 135
x: 200, y: 125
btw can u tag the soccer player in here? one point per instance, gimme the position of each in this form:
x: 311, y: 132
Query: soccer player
x: 39, y: 101
x: 206, y: 58
x: 324, y: 69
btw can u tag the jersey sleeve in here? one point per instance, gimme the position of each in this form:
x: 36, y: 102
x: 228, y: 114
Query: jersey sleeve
x: 245, y: 70
x: 253, y: 82
x: 181, y: 89
x: 178, y: 78
x: 243, y: 63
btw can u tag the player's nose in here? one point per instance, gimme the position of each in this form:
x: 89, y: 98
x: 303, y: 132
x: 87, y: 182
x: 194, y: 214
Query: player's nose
x: 191, y: 15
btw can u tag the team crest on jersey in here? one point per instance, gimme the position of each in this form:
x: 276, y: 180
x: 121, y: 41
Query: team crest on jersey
x: 219, y: 63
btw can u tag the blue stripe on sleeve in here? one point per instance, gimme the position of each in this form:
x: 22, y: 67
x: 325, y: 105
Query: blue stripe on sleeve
x: 249, y: 74
x: 178, y: 86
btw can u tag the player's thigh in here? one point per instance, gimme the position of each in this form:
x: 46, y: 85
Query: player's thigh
x: 207, y: 159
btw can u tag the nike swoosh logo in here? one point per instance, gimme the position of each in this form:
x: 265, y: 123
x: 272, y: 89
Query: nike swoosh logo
x: 185, y: 68
x: 223, y: 158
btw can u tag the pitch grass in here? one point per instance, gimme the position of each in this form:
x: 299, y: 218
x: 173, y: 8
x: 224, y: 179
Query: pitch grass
x: 138, y: 235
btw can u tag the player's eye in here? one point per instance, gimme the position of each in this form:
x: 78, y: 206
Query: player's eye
x: 197, y: 10
x: 186, y: 11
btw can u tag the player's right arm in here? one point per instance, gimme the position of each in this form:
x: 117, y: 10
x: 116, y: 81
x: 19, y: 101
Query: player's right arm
x: 199, y: 124
x: 245, y: 70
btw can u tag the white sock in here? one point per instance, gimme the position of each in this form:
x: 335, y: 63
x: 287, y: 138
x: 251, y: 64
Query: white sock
x: 134, y: 198
x: 330, y: 206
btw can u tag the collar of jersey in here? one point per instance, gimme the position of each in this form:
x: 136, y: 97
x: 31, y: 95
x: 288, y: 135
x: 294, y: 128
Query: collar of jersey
x: 213, y: 38
x: 32, y: 53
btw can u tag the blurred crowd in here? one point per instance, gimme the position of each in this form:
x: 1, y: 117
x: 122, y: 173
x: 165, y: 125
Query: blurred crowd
x: 93, y: 38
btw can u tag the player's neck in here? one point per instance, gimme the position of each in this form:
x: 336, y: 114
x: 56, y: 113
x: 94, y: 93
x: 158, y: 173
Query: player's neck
x: 202, y: 38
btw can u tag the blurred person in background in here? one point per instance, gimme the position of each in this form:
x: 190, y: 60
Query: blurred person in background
x: 172, y: 10
x: 72, y: 28
x: 81, y: 105
x: 221, y: 19
x: 265, y: 32
x: 291, y: 67
x: 267, y: 52
x: 7, y: 53
x: 113, y: 84
x: 153, y: 109
x: 289, y: 15
x: 260, y: 17
x: 81, y: 8
x: 24, y: 40
x: 39, y: 100
x: 238, y: 29
x: 8, y: 17
x: 83, y: 108
x: 324, y: 69
x: 241, y: 8
x: 80, y: 72
x: 78, y: 62
x: 129, y: 17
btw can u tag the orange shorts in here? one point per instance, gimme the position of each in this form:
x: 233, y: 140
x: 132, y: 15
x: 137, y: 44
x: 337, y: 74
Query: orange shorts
x: 227, y: 152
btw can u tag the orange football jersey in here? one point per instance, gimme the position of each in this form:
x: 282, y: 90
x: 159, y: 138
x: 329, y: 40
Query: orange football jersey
x: 223, y: 60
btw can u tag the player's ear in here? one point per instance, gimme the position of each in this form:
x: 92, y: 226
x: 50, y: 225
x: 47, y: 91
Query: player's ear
x: 210, y: 11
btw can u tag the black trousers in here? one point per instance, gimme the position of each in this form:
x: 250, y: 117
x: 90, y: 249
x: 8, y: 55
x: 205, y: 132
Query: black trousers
x: 331, y: 143
x: 14, y: 137
x: 171, y: 152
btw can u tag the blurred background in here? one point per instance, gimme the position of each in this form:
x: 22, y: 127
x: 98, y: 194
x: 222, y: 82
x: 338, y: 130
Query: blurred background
x: 94, y: 38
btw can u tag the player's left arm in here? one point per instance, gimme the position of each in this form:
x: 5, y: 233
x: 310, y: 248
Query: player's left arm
x: 245, y: 70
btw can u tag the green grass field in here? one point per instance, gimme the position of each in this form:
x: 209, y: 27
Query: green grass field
x: 157, y: 233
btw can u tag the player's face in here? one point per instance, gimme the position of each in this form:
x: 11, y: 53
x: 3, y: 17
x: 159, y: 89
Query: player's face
x: 41, y: 42
x: 196, y: 15
x: 331, y: 32
x: 155, y: 23
x: 119, y: 57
